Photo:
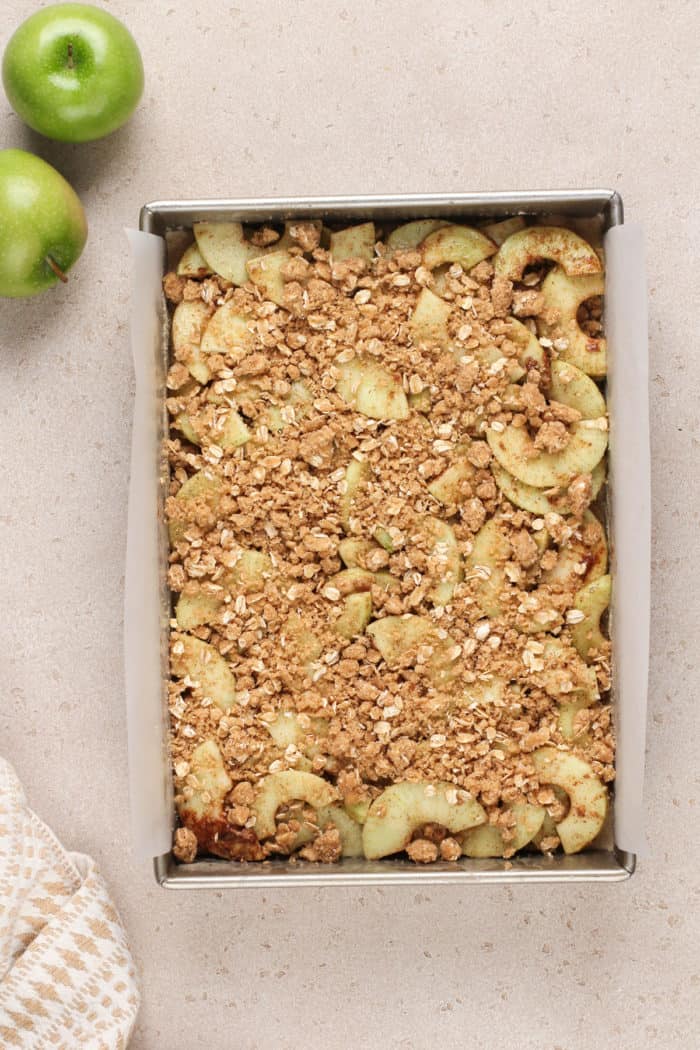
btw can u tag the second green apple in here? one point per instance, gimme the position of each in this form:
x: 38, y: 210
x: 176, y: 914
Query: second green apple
x: 73, y: 72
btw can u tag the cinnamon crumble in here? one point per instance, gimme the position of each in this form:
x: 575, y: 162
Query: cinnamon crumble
x: 365, y: 594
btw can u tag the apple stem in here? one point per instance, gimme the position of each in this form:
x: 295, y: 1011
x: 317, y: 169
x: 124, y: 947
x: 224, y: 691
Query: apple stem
x: 70, y: 55
x: 57, y: 269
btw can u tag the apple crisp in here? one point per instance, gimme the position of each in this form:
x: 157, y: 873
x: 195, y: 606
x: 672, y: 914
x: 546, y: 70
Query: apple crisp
x: 387, y: 556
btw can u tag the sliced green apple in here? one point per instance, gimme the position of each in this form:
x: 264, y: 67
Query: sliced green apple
x: 402, y: 809
x: 592, y: 600
x: 224, y: 248
x: 355, y: 616
x: 192, y: 264
x: 355, y: 242
x: 206, y: 667
x: 574, y: 553
x: 443, y: 547
x: 411, y: 234
x: 531, y: 245
x: 486, y: 840
x: 542, y: 501
x: 530, y: 352
x: 251, y: 570
x: 349, y: 830
x: 228, y: 333
x: 202, y: 487
x: 187, y: 328
x: 450, y: 486
x: 399, y: 639
x: 299, y: 399
x: 213, y: 783
x: 354, y: 551
x: 484, y: 566
x: 565, y: 294
x: 194, y: 610
x: 183, y: 423
x: 588, y: 796
x: 287, y: 786
x: 515, y: 450
x: 357, y: 475
x: 429, y: 318
x: 457, y: 244
x: 371, y: 390
x: 266, y: 274
x: 503, y: 229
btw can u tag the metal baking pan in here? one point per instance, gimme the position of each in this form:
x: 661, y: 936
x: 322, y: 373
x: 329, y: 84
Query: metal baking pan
x: 615, y: 859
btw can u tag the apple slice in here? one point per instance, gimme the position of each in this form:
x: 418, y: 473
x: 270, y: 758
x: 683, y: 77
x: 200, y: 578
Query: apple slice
x: 192, y: 264
x: 565, y: 676
x: 371, y: 390
x: 285, y: 730
x: 450, y: 486
x: 588, y: 796
x: 358, y: 810
x: 349, y: 830
x: 190, y: 319
x: 515, y: 450
x: 250, y: 572
x: 183, y: 423
x: 592, y: 600
x: 485, y: 566
x: 445, y: 549
x: 565, y: 294
x: 287, y: 786
x: 354, y: 551
x: 277, y: 417
x: 213, y: 783
x: 194, y: 610
x: 228, y: 431
x: 357, y: 474
x: 202, y: 488
x: 573, y: 554
x: 356, y: 242
x: 233, y: 432
x: 399, y: 639
x: 502, y: 230
x: 531, y: 353
x: 531, y: 245
x: 542, y: 501
x: 487, y: 840
x: 356, y: 615
x: 429, y: 318
x: 457, y: 244
x: 266, y: 274
x: 411, y: 234
x: 206, y: 667
x: 228, y: 333
x: 403, y: 808
x: 224, y: 248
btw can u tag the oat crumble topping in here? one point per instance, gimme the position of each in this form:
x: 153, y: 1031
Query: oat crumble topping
x: 354, y: 520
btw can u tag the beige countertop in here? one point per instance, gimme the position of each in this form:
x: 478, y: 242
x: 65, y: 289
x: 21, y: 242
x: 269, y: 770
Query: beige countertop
x: 312, y: 98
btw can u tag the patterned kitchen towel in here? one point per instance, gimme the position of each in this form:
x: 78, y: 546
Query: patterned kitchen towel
x: 67, y: 979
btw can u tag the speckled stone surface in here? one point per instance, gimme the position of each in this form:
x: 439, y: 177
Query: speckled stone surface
x: 281, y: 98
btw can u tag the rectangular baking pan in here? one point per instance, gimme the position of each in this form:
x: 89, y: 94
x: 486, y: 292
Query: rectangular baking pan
x: 629, y: 526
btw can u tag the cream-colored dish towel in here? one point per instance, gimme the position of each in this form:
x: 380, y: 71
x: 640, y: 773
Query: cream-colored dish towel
x: 67, y: 979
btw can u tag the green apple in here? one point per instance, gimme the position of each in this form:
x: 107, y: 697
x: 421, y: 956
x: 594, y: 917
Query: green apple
x: 73, y: 72
x: 42, y: 224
